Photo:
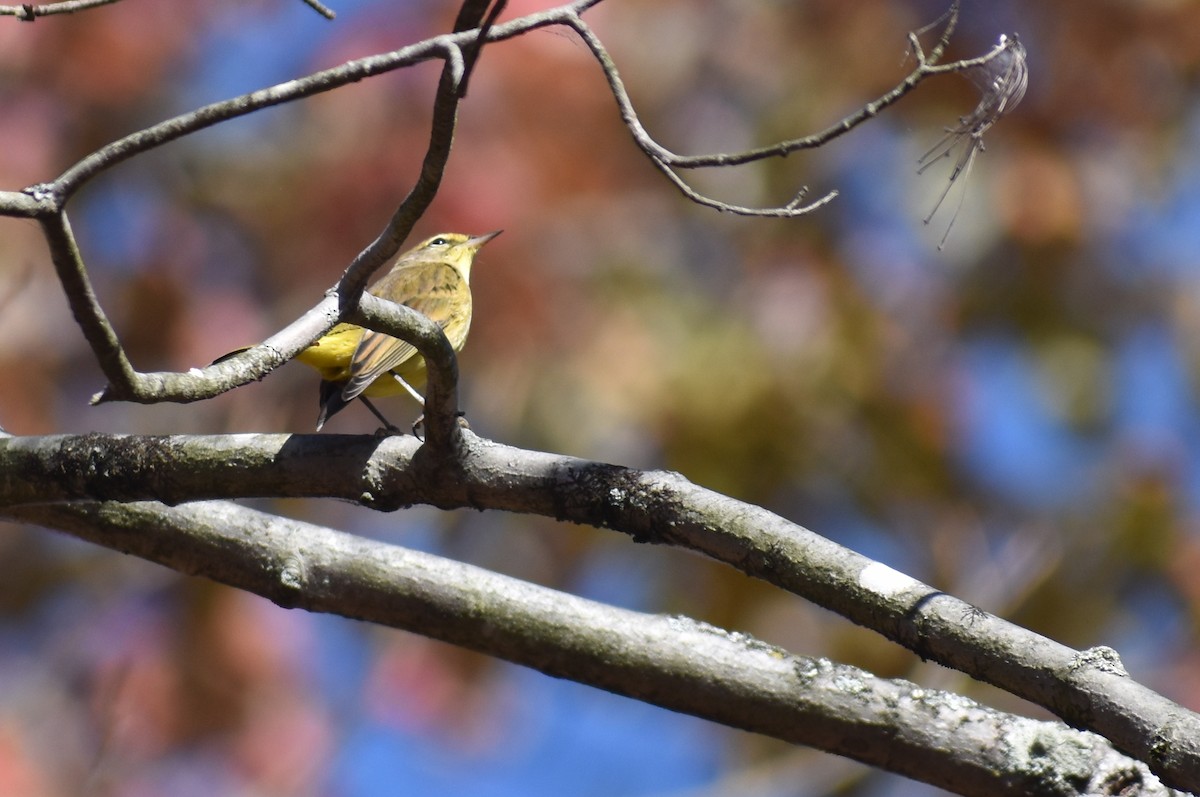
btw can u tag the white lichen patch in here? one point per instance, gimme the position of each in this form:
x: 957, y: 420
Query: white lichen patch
x: 883, y: 580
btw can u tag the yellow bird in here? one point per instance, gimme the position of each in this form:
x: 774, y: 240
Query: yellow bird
x: 432, y: 278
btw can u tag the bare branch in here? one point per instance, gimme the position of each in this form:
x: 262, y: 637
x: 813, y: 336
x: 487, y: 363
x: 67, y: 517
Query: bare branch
x: 451, y: 46
x: 1087, y: 689
x: 441, y: 137
x: 320, y: 8
x: 206, y: 116
x: 31, y: 203
x: 471, y: 56
x: 668, y: 162
x: 950, y: 18
x: 374, y: 313
x: 126, y: 384
x: 28, y: 12
x: 441, y: 412
x: 441, y: 400
x: 85, y: 307
x: 448, y: 47
x: 45, y: 201
x: 459, y: 50
x: 737, y: 681
x: 674, y: 662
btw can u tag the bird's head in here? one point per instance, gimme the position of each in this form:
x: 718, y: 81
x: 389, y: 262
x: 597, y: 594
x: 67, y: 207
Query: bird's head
x: 455, y: 248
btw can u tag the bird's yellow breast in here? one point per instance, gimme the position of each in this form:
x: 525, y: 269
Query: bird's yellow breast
x: 332, y: 354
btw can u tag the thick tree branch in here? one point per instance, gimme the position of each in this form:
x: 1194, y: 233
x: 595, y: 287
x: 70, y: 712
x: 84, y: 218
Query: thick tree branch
x: 1087, y: 689
x: 674, y: 662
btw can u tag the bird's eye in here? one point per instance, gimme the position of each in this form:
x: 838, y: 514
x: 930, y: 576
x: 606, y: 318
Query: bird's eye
x: 439, y: 241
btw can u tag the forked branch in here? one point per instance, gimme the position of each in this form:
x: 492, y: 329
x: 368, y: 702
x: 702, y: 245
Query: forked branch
x: 669, y: 163
x: 460, y: 51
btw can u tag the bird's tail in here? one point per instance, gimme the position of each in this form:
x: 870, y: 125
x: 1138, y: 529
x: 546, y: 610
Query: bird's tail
x: 332, y: 401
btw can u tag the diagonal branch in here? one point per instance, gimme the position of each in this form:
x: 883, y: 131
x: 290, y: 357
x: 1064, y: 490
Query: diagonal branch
x: 442, y: 399
x: 448, y: 47
x: 470, y: 11
x: 85, y: 307
x: 451, y: 88
x: 1087, y: 689
x: 321, y: 8
x: 674, y: 662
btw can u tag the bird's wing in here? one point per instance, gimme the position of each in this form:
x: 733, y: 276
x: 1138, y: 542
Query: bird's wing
x: 441, y: 295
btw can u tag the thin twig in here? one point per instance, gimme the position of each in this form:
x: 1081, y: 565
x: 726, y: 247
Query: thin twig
x: 667, y: 161
x: 126, y: 384
x: 471, y: 53
x: 445, y: 47
x: 320, y: 8
x: 950, y: 17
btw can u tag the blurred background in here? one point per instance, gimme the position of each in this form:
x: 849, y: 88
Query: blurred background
x: 1012, y: 419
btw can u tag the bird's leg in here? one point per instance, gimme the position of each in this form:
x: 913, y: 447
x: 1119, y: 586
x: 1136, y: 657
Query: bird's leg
x: 388, y: 426
x: 412, y: 391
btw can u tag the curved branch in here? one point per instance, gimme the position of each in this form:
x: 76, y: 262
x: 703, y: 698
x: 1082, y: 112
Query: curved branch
x: 441, y: 415
x: 674, y: 662
x: 372, y: 312
x: 668, y: 162
x: 441, y: 403
x: 1087, y: 689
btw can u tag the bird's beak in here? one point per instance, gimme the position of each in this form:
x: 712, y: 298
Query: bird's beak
x: 479, y: 240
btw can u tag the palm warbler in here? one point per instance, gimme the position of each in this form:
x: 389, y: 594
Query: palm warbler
x: 432, y: 278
